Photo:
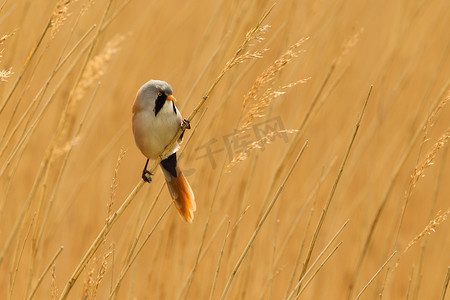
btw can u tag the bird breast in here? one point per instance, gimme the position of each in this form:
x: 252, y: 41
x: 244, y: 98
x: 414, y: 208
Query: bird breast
x: 153, y: 133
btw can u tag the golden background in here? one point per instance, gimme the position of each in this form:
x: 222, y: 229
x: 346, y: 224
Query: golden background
x: 63, y: 129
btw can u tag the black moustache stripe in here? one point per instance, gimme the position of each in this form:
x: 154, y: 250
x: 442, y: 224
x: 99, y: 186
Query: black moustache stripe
x: 159, y: 103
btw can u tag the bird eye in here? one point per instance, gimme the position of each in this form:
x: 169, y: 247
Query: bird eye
x: 159, y: 94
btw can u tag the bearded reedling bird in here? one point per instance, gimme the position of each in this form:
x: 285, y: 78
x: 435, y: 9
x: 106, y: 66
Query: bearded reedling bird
x: 156, y: 120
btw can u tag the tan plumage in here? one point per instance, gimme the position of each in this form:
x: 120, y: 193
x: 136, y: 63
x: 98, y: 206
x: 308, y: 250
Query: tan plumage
x: 181, y: 193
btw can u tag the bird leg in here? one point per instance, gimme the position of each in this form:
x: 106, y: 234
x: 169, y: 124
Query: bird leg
x: 146, y: 173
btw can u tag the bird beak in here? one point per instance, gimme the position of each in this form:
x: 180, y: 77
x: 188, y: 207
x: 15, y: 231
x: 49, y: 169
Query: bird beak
x: 171, y: 98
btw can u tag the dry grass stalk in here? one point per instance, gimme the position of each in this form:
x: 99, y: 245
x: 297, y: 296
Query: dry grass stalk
x: 252, y: 34
x: 446, y: 281
x: 52, y: 263
x: 66, y: 120
x: 133, y: 245
x: 389, y: 189
x: 14, y: 271
x: 201, y: 253
x: 306, y: 118
x: 54, y: 287
x: 40, y: 229
x: 333, y: 189
x: 294, y: 292
x: 374, y: 276
x: 419, y: 172
x: 138, y: 250
x: 25, y: 67
x: 44, y: 163
x: 108, y: 226
x: 299, y: 252
x: 267, y: 139
x: 219, y: 263
x: 410, y: 282
x: 260, y: 223
x: 186, y: 287
x: 255, y: 102
x: 425, y: 241
x: 318, y: 269
x: 39, y: 96
x: 100, y: 239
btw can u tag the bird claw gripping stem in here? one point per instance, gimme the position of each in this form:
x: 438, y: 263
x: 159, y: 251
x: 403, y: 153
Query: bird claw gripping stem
x: 186, y: 124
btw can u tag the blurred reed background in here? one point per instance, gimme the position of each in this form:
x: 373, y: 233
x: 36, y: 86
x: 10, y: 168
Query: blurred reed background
x: 69, y: 73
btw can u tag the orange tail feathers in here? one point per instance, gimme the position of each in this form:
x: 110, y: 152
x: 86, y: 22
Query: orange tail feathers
x: 182, y: 194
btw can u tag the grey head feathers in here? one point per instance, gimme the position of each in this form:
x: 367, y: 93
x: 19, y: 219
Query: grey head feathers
x: 156, y: 86
x: 148, y: 95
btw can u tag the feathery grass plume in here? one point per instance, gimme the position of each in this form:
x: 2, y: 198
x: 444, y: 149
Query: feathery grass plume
x: 89, y: 279
x: 267, y: 139
x: 60, y: 14
x: 5, y: 73
x: 349, y: 45
x: 435, y: 113
x: 253, y: 35
x: 86, y: 5
x: 114, y: 183
x: 430, y: 228
x: 103, y: 233
x: 432, y: 117
x: 101, y: 272
x: 98, y: 267
x: 96, y: 66
x: 4, y: 37
x: 95, y: 69
x: 254, y: 102
x: 419, y: 171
